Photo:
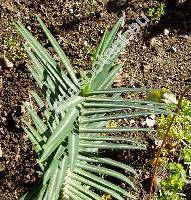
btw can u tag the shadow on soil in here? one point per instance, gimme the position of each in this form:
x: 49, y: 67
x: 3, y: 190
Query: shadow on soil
x: 178, y: 16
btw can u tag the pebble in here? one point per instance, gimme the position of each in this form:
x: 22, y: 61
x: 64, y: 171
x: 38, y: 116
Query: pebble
x: 173, y: 49
x: 85, y: 43
x: 8, y: 63
x: 185, y: 36
x: 146, y: 66
x: 71, y: 11
x: 166, y: 32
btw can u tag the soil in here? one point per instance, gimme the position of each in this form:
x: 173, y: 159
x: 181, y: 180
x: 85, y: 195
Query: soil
x: 153, y: 59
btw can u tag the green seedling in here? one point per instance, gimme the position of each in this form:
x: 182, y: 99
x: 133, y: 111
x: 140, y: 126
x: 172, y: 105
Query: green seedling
x: 156, y: 13
x: 68, y: 139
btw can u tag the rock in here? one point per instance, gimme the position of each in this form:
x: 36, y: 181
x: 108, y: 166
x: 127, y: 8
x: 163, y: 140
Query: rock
x: 29, y: 28
x: 146, y: 66
x: 150, y: 122
x: 166, y: 32
x: 152, y: 116
x: 173, y: 49
x: 7, y: 63
x: 71, y: 11
x: 85, y: 43
x: 184, y: 36
x: 169, y: 98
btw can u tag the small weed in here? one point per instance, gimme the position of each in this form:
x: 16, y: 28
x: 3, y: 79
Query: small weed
x: 186, y: 155
x: 93, y: 2
x: 173, y: 185
x: 15, y: 48
x: 156, y: 13
x: 178, y: 136
x: 180, y: 130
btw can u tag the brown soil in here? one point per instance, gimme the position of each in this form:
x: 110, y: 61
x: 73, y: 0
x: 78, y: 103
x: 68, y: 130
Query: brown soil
x: 79, y: 25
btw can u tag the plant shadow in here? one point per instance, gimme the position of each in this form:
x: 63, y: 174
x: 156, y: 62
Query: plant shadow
x: 178, y: 16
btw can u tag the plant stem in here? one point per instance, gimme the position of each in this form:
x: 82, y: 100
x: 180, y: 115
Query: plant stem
x: 165, y: 139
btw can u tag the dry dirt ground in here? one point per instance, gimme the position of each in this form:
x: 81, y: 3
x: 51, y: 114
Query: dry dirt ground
x: 153, y: 59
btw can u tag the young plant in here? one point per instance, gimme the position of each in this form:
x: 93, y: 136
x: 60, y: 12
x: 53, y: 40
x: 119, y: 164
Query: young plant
x: 181, y: 127
x: 67, y: 138
x: 186, y: 155
x: 173, y: 185
x: 174, y: 130
x: 156, y: 13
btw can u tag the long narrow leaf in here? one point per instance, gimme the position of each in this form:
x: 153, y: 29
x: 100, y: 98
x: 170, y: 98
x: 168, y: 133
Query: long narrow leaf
x: 59, y: 51
x: 106, y: 171
x: 61, y: 132
x: 106, y: 138
x: 120, y: 90
x: 109, y: 146
x: 83, y: 189
x: 111, y: 130
x: 35, y: 143
x: 122, y: 105
x: 61, y: 175
x: 95, y: 185
x: 104, y: 184
x: 114, y: 117
x: 107, y: 161
x: 41, y: 127
x: 73, y: 143
x: 44, y: 55
x: 100, y: 47
x: 78, y: 193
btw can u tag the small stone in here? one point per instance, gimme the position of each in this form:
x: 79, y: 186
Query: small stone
x: 169, y: 98
x: 71, y: 11
x: 184, y: 36
x: 17, y: 157
x: 2, y: 167
x: 132, y: 121
x: 144, y: 47
x: 143, y: 123
x: 150, y: 122
x: 85, y: 43
x: 146, y: 66
x: 173, y: 49
x: 29, y: 28
x: 166, y: 32
x: 152, y: 116
x: 8, y: 63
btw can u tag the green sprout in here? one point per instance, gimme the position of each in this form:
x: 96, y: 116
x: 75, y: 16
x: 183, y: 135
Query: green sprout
x: 156, y: 13
x: 186, y: 155
x: 181, y: 128
x: 15, y: 48
x: 179, y: 134
x: 174, y: 184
